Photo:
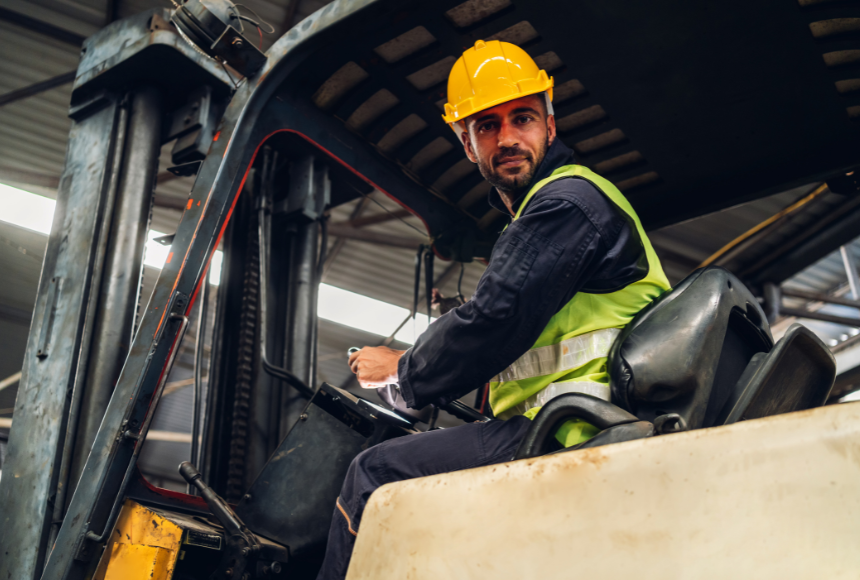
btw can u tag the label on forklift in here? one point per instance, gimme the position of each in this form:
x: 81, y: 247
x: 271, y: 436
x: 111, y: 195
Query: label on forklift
x: 211, y: 541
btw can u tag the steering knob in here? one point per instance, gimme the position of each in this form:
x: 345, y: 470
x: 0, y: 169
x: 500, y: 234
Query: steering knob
x: 188, y: 472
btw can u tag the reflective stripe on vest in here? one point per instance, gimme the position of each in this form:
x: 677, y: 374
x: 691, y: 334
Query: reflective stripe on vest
x: 567, y: 355
x: 570, y: 354
x: 541, y: 398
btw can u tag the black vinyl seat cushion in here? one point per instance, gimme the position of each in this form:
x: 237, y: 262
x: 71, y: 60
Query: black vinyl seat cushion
x: 685, y: 352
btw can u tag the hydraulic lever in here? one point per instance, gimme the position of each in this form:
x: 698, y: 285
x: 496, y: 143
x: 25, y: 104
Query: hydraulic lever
x: 243, y: 548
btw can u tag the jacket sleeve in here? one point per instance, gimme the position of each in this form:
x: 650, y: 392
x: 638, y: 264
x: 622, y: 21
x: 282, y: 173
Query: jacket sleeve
x: 537, y: 265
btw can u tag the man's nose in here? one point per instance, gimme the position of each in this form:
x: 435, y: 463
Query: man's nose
x: 507, y: 135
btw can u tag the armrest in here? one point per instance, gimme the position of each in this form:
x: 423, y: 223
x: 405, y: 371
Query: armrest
x: 617, y: 434
x: 597, y: 412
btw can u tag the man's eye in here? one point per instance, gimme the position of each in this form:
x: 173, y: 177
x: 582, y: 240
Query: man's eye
x: 487, y: 127
x: 523, y: 119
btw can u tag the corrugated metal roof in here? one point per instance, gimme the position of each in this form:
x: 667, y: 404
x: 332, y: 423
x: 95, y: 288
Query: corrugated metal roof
x: 21, y: 253
x: 34, y: 131
x: 695, y: 240
x: 387, y: 273
x: 827, y: 276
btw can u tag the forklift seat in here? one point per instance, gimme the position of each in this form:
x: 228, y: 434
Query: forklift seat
x: 700, y: 355
x: 685, y: 352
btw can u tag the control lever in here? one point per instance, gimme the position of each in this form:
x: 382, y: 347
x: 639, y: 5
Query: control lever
x: 242, y: 545
x: 464, y: 412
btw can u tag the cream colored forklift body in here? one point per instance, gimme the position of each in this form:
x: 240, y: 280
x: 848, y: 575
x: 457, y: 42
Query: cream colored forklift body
x: 771, y: 498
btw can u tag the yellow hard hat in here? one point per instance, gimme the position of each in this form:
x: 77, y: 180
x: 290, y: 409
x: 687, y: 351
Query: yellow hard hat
x: 489, y: 74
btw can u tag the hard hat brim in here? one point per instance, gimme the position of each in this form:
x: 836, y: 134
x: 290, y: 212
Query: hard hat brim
x: 452, y: 122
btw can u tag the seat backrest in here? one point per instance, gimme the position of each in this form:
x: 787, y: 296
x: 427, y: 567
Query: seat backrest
x: 685, y: 352
x: 796, y: 375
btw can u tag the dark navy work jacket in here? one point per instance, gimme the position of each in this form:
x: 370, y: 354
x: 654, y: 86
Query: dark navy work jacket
x: 469, y: 345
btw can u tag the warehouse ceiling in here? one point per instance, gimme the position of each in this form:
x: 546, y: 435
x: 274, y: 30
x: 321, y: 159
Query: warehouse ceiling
x: 688, y: 107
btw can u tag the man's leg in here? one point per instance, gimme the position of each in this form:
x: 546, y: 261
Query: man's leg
x: 441, y: 451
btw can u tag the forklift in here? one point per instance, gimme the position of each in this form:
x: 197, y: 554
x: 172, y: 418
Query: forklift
x: 713, y: 457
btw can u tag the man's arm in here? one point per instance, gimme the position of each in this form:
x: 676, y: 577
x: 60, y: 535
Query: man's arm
x: 538, y: 258
x: 568, y: 236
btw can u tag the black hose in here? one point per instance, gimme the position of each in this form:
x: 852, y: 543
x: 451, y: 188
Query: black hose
x: 323, y: 253
x: 272, y: 370
x: 417, y: 288
x: 275, y: 371
x: 428, y: 281
x: 288, y: 377
x: 464, y: 412
x: 197, y: 398
x: 460, y: 283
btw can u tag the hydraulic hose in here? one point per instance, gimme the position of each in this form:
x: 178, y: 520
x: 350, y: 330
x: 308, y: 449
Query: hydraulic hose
x: 275, y: 371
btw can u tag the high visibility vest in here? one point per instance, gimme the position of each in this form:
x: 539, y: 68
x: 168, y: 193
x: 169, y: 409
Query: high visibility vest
x: 571, y: 353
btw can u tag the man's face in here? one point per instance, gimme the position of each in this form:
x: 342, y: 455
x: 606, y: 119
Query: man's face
x: 509, y: 141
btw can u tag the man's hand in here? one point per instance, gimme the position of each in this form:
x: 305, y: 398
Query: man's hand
x: 375, y: 366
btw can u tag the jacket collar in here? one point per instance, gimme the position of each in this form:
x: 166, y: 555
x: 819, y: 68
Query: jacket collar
x: 558, y: 155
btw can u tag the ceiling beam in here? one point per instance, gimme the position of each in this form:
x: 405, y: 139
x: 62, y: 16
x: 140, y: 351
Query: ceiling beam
x: 37, y: 88
x: 373, y: 237
x: 165, y: 176
x: 335, y: 249
x: 815, y: 241
x: 23, y: 177
x: 15, y: 315
x: 41, y: 27
x: 376, y: 218
x: 28, y: 178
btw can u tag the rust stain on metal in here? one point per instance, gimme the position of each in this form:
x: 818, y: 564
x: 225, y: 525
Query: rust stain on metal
x: 848, y: 450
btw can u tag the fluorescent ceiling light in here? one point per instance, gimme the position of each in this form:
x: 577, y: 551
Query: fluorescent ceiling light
x: 155, y: 256
x: 35, y: 212
x: 855, y: 396
x: 25, y: 209
x: 368, y: 314
x: 413, y: 329
x: 358, y: 311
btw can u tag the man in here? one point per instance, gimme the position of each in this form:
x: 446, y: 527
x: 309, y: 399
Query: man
x: 571, y: 270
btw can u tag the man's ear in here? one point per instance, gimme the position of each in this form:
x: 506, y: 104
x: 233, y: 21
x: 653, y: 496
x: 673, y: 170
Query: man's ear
x: 467, y: 147
x: 550, y: 129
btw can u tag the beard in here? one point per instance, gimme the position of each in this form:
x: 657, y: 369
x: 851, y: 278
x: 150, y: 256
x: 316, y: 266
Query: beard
x: 514, y: 183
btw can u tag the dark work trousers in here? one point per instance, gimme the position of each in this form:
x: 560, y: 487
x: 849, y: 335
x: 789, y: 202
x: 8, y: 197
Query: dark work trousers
x: 440, y: 451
